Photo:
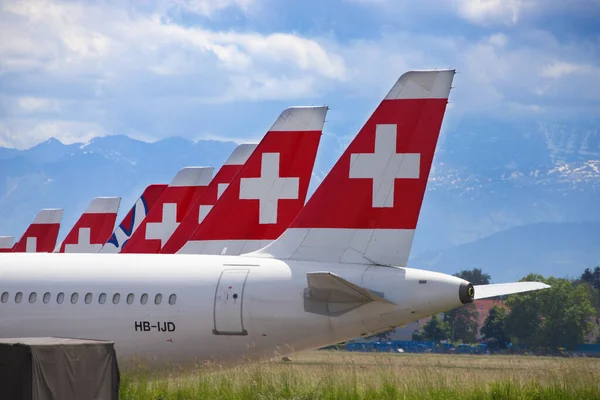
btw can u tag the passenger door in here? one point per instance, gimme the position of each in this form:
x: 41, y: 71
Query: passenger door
x: 229, y: 296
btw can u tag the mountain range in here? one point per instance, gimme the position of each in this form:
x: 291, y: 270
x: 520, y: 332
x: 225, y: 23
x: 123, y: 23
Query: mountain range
x: 508, y: 197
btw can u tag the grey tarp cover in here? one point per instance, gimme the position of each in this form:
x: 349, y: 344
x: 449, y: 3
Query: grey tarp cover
x: 58, y: 369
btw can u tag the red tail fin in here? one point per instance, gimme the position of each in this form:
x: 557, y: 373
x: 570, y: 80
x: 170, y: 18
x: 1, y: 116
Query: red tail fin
x: 170, y: 209
x: 41, y: 235
x: 269, y: 190
x: 200, y: 209
x: 93, y: 228
x: 133, y: 219
x: 366, y: 209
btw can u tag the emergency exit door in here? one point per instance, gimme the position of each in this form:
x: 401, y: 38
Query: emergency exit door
x: 229, y: 303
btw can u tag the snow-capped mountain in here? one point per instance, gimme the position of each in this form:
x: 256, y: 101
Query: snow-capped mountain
x: 497, y: 190
x: 491, y: 176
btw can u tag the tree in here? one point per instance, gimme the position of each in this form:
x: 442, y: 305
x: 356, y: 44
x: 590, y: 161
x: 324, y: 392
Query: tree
x: 593, y: 294
x: 462, y: 323
x: 463, y: 320
x: 493, y: 327
x: 591, y: 280
x: 588, y: 277
x: 475, y: 276
x: 435, y: 330
x: 525, y: 315
x: 553, y: 317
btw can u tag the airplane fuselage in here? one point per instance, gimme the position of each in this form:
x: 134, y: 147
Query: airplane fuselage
x: 211, y: 307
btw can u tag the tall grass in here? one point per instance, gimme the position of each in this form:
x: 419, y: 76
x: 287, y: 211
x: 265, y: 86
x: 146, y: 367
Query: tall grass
x: 341, y: 375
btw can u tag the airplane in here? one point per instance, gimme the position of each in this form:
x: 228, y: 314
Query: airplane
x: 93, y: 228
x: 268, y: 191
x: 133, y: 219
x: 338, y: 272
x: 170, y: 209
x: 42, y: 233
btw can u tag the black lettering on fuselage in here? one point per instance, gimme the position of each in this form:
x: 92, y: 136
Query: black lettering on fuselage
x: 145, y: 326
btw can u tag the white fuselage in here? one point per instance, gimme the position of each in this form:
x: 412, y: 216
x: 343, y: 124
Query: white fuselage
x: 226, y: 308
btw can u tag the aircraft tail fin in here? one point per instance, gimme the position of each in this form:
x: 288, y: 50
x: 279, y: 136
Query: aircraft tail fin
x: 501, y: 289
x: 170, y: 209
x: 269, y: 190
x: 41, y: 235
x: 204, y: 204
x: 366, y: 210
x: 93, y: 228
x: 133, y: 219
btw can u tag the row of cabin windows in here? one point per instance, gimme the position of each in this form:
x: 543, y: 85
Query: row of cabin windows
x: 60, y: 298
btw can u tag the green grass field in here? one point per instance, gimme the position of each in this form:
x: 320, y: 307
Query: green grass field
x: 342, y: 375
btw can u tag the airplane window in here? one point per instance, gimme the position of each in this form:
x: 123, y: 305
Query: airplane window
x: 158, y: 299
x: 60, y: 298
x: 144, y: 298
x: 32, y: 297
x: 102, y: 298
x: 116, y: 298
x: 18, y: 297
x: 88, y: 298
x: 74, y: 298
x: 46, y: 298
x: 4, y: 297
x: 172, y: 299
x: 130, y: 297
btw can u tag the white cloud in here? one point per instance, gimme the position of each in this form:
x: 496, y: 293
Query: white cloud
x: 144, y: 73
x: 558, y: 69
x: 210, y: 7
x: 22, y: 133
x: 56, y: 37
x: 103, y: 59
x: 36, y: 104
x: 490, y: 11
x: 479, y: 12
x: 498, y: 39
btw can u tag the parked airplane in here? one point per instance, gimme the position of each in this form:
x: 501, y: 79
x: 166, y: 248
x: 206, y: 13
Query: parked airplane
x: 269, y: 190
x: 170, y: 209
x: 339, y: 271
x: 93, y: 228
x: 133, y: 219
x: 41, y: 235
x: 6, y: 244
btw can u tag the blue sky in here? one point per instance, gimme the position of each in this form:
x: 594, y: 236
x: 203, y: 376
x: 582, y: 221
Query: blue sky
x: 226, y: 68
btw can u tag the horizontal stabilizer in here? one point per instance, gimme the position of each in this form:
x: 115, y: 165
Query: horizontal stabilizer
x: 331, y: 288
x: 501, y: 289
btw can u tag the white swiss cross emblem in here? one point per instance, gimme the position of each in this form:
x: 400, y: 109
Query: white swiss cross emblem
x: 385, y: 165
x: 83, y: 244
x: 205, y: 208
x: 269, y: 188
x: 164, y: 229
x: 31, y: 245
